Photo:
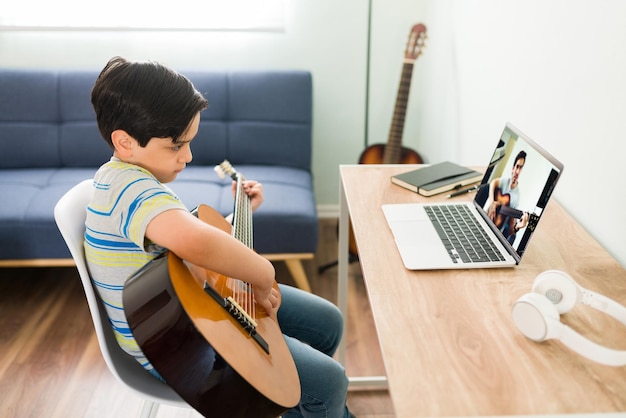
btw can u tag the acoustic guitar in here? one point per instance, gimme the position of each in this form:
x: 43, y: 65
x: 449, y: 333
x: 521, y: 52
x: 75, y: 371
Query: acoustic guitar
x: 204, y: 333
x: 505, y: 213
x: 393, y: 152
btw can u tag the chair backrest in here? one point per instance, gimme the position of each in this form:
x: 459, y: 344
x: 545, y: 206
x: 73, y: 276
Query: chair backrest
x: 70, y: 213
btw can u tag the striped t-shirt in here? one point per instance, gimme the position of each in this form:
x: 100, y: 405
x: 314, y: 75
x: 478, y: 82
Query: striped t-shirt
x: 126, y: 198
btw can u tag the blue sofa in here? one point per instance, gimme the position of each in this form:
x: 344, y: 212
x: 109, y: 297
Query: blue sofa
x: 259, y: 120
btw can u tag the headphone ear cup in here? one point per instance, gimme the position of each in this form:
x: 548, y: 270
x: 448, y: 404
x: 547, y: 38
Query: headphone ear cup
x: 536, y: 317
x: 559, y: 288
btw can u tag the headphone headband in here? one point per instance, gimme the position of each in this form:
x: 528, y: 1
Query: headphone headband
x: 604, y: 304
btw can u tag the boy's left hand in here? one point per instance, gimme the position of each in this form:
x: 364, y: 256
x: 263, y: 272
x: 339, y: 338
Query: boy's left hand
x: 254, y: 190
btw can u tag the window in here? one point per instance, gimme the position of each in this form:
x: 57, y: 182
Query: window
x: 261, y: 15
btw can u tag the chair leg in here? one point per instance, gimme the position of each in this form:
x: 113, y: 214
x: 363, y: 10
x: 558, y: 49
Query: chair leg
x: 149, y: 409
x: 299, y: 276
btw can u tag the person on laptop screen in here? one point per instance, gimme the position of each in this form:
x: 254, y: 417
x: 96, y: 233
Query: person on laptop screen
x: 504, y: 192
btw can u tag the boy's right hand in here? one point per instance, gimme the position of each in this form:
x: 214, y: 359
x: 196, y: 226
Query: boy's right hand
x: 269, y: 299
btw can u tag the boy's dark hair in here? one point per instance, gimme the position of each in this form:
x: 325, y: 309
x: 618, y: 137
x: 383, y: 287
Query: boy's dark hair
x: 145, y: 99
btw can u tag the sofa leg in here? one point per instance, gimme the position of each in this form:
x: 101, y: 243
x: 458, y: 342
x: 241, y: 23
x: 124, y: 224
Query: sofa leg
x: 299, y: 276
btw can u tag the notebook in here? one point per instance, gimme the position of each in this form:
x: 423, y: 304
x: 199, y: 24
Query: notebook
x: 518, y: 182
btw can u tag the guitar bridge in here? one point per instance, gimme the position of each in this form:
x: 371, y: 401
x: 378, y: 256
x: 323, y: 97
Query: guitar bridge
x: 237, y: 312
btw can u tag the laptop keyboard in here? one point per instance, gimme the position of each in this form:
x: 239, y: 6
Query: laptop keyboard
x: 464, y: 239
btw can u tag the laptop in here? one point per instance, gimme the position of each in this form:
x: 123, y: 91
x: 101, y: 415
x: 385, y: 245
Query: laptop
x: 500, y: 221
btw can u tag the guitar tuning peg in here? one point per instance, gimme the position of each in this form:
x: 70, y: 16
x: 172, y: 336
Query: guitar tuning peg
x: 219, y: 171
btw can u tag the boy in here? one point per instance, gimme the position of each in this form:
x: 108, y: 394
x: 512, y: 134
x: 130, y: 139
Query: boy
x: 149, y: 115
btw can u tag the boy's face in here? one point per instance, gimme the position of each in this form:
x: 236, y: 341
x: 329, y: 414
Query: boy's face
x: 161, y: 156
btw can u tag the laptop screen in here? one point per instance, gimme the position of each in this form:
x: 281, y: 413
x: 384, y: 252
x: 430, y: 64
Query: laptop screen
x: 518, y: 182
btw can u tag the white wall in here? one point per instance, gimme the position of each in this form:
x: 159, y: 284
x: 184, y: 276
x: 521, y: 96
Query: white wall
x: 554, y: 68
x: 557, y: 70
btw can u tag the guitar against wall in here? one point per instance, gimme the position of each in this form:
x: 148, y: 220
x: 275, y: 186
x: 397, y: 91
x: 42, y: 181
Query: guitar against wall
x: 393, y: 152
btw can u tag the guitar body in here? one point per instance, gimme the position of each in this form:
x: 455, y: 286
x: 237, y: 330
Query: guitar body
x: 504, y: 210
x: 200, y: 349
x: 374, y: 155
x: 504, y: 200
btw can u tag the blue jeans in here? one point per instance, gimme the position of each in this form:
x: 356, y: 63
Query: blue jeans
x: 313, y: 328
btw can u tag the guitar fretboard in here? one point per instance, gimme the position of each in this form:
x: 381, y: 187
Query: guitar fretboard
x: 242, y: 216
x: 393, y: 150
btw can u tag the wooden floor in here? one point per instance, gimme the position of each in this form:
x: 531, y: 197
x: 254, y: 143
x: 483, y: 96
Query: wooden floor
x: 50, y: 363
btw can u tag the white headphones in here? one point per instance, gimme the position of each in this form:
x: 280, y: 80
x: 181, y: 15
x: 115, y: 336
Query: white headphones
x: 537, y: 315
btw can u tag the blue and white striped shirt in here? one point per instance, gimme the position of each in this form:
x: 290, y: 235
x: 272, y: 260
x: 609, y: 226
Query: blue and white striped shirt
x: 127, y: 197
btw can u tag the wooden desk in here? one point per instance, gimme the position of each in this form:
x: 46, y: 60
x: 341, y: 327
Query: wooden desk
x: 448, y: 342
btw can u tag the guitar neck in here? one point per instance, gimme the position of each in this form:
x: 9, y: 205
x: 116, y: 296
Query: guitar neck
x: 517, y: 214
x: 509, y: 211
x: 242, y: 215
x: 393, y: 148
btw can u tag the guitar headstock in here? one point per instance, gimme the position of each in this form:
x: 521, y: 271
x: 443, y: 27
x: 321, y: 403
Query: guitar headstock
x: 225, y: 168
x: 532, y: 221
x: 415, y: 44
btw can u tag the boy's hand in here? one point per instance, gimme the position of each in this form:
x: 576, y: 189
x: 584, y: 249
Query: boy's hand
x: 270, y: 301
x: 254, y: 190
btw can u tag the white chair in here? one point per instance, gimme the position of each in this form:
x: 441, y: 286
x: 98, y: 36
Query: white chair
x: 70, y: 214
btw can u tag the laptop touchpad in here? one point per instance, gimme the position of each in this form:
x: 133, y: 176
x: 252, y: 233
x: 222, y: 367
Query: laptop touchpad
x: 411, y: 232
x: 405, y: 212
x: 417, y: 242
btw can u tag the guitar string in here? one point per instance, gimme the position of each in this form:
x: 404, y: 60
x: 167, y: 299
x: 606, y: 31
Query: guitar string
x: 242, y: 230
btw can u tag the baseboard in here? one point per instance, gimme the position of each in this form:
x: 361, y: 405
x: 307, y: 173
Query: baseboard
x: 327, y: 211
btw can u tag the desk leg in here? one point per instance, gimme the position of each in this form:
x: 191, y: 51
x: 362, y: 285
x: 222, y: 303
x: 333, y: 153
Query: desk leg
x: 377, y: 382
x: 342, y: 269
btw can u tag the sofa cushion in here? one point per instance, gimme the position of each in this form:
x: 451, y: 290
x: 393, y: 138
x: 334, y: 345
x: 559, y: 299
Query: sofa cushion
x: 26, y: 227
x: 26, y: 230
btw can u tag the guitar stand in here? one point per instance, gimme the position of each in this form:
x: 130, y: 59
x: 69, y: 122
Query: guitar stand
x: 351, y: 259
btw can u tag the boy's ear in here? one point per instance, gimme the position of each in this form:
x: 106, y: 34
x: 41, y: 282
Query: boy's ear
x: 122, y: 142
